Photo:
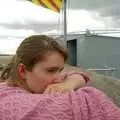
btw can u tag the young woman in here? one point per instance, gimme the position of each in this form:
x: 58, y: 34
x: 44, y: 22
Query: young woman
x: 34, y: 87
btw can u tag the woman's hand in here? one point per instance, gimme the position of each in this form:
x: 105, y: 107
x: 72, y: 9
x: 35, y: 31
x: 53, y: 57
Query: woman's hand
x: 70, y: 83
x: 58, y: 88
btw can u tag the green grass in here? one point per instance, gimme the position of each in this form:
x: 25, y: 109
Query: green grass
x: 109, y: 85
x: 5, y: 59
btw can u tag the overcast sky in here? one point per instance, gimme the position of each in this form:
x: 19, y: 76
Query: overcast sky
x: 106, y: 9
x: 20, y: 18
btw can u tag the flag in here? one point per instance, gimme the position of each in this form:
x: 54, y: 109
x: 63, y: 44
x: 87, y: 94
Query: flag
x: 54, y: 5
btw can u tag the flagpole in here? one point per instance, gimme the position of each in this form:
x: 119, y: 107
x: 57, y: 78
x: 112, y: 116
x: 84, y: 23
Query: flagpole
x: 65, y: 22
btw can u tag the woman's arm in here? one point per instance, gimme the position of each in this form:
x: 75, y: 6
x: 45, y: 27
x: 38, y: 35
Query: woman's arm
x: 70, y: 81
x: 92, y: 104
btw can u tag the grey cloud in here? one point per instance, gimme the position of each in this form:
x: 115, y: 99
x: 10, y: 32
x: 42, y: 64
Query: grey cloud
x: 112, y: 12
x: 91, y: 4
x: 31, y: 24
x: 104, y: 8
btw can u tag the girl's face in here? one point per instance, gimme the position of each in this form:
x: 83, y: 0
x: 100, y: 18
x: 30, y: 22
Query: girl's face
x: 45, y: 72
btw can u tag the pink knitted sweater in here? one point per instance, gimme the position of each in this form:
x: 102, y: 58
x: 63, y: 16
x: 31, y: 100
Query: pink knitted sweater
x: 84, y: 104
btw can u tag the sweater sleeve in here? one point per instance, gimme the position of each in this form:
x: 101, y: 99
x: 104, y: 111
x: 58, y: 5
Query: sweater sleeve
x: 91, y: 104
x: 84, y: 104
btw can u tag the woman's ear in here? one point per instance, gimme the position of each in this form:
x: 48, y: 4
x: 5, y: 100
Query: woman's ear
x: 21, y: 68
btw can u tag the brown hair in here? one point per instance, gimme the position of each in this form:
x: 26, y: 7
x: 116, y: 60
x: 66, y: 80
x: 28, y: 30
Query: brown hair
x: 31, y: 51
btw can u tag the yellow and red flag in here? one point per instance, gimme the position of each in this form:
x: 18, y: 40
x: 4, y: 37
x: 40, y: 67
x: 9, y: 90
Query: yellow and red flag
x: 54, y: 5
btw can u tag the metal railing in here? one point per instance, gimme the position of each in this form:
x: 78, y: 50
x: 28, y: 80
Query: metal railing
x: 107, y: 71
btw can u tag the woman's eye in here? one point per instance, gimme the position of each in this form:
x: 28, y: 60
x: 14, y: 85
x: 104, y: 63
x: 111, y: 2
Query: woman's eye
x: 54, y: 70
x: 51, y: 71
